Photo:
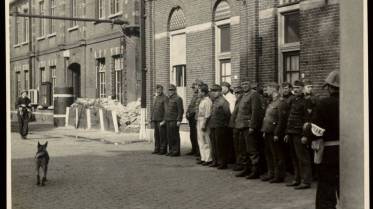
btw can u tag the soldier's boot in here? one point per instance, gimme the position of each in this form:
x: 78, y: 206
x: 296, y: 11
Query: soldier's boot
x: 37, y: 180
x: 244, y: 172
x: 254, y: 174
x: 43, y: 181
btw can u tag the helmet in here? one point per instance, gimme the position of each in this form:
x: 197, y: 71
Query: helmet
x: 332, y: 79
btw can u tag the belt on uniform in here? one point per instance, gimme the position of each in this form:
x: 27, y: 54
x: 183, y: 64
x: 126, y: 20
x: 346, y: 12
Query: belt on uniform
x: 331, y: 143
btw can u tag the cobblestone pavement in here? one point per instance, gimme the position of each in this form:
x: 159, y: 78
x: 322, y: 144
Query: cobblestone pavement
x: 85, y: 174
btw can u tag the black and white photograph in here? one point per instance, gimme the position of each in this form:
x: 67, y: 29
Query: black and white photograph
x: 187, y: 104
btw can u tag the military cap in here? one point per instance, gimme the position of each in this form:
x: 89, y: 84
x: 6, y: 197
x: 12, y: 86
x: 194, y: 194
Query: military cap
x: 307, y: 82
x: 332, y: 79
x: 284, y: 84
x: 298, y: 83
x: 245, y: 81
x: 158, y: 86
x: 204, y: 88
x: 172, y: 87
x: 226, y: 84
x: 24, y: 90
x: 215, y: 87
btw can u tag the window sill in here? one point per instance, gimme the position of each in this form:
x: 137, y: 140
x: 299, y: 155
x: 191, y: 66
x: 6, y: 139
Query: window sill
x: 73, y: 28
x: 224, y: 55
x: 16, y: 45
x: 290, y: 47
x: 40, y: 38
x: 51, y: 35
x: 24, y: 43
x: 115, y: 15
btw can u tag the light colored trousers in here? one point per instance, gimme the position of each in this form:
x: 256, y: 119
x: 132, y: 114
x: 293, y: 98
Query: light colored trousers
x: 204, y: 142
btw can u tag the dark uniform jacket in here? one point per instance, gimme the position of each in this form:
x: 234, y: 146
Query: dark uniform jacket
x: 288, y: 98
x: 297, y: 115
x: 250, y: 111
x: 26, y: 101
x: 220, y: 113
x: 193, y: 107
x: 275, y: 117
x: 159, y: 108
x: 233, y: 117
x: 174, y: 109
x: 326, y: 116
x: 311, y: 101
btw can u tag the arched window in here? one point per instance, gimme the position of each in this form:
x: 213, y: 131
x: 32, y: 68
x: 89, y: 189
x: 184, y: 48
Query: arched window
x: 222, y: 15
x: 178, y: 65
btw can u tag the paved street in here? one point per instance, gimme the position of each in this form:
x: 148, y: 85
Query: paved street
x: 85, y: 173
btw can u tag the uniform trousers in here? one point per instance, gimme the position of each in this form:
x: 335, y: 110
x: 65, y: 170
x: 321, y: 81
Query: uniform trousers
x: 328, y: 179
x: 204, y: 141
x: 160, y: 137
x: 252, y: 147
x: 219, y: 142
x: 193, y: 135
x: 239, y: 147
x: 276, y: 150
x: 301, y: 159
x: 23, y: 121
x: 173, y: 137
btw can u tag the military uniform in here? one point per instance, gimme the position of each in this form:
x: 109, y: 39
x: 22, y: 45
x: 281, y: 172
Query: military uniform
x: 23, y: 114
x: 160, y: 132
x: 174, y: 111
x: 249, y: 115
x: 274, y: 124
x: 192, y: 118
x: 218, y: 125
x: 299, y: 152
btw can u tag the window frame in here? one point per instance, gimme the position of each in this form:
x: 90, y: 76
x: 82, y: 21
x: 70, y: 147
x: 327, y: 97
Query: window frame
x: 118, y: 77
x: 282, y: 46
x: 223, y: 77
x: 73, y: 13
x: 27, y: 79
x: 101, y: 77
x: 218, y: 54
x: 42, y: 75
x: 18, y: 83
x: 52, y: 9
x: 41, y: 20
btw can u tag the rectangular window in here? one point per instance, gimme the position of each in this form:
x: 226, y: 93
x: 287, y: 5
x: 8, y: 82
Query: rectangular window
x: 52, y: 9
x: 101, y: 78
x: 16, y: 31
x: 41, y: 20
x: 118, y: 63
x: 226, y: 70
x: 18, y: 83
x: 27, y: 80
x: 42, y: 75
x: 25, y: 27
x: 180, y: 75
x: 53, y: 79
x: 73, y: 12
x: 291, y: 66
x: 291, y: 27
x: 114, y: 6
x: 225, y: 38
x: 99, y: 8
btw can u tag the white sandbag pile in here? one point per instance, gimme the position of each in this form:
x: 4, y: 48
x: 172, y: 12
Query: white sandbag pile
x: 128, y: 116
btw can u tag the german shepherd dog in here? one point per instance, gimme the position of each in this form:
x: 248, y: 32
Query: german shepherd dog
x: 41, y: 161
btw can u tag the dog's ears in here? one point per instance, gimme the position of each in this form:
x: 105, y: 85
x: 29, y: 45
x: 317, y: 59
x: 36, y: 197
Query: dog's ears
x: 39, y: 144
x: 46, y: 143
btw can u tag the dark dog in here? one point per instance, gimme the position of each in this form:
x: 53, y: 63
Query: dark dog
x: 42, y: 160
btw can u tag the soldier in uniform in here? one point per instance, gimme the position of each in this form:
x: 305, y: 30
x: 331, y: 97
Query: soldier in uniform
x: 273, y: 128
x: 218, y: 124
x: 239, y: 147
x: 324, y: 131
x: 227, y: 94
x: 23, y: 113
x: 294, y: 132
x: 174, y: 111
x: 204, y: 114
x: 191, y: 117
x: 157, y: 116
x: 248, y: 121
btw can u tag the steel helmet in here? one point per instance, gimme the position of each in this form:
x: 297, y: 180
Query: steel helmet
x: 332, y: 79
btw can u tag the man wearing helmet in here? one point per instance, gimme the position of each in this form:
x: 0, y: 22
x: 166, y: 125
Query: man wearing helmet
x: 324, y: 133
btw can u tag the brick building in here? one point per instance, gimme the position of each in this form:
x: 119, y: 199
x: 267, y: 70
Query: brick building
x: 227, y: 40
x: 95, y: 59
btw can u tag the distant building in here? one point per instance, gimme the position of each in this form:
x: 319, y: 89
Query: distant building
x: 95, y: 59
x: 228, y: 40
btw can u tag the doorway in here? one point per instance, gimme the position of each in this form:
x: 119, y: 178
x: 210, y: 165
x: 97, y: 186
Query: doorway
x: 73, y: 78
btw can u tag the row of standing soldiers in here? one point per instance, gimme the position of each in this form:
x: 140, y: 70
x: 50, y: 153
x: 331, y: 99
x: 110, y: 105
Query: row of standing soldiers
x: 262, y: 131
